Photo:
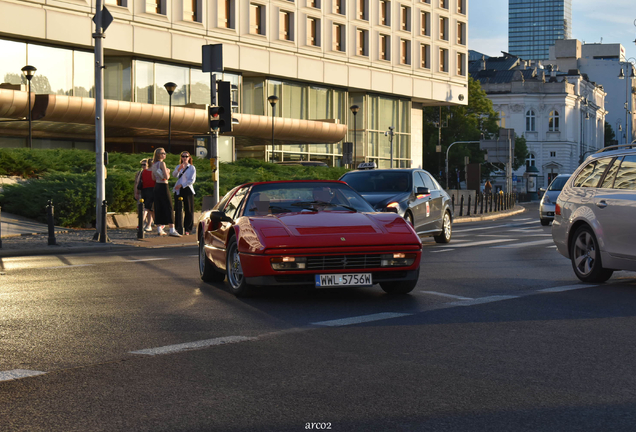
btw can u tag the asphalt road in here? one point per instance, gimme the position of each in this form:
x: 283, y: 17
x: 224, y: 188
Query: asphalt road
x: 498, y: 336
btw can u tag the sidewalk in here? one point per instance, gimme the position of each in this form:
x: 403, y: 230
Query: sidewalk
x: 24, y: 237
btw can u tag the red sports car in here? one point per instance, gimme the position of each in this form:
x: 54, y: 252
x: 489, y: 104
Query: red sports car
x: 305, y: 232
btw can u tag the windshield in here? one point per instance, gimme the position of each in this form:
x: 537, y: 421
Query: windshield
x: 379, y: 181
x: 274, y: 198
x: 558, y: 183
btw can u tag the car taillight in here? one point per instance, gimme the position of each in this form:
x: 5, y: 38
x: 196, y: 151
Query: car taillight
x: 557, y: 210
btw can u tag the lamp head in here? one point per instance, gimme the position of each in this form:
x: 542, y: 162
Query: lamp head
x: 170, y: 87
x: 272, y: 100
x: 29, y: 71
x: 621, y: 75
x: 354, y: 109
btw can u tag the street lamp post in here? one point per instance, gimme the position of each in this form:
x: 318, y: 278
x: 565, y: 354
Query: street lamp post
x: 272, y: 101
x: 354, y: 109
x: 448, y: 149
x: 628, y: 75
x: 390, y: 134
x: 28, y: 72
x: 170, y: 88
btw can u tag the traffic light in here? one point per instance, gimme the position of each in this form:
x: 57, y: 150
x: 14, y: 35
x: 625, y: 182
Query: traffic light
x: 214, y: 114
x: 225, y: 101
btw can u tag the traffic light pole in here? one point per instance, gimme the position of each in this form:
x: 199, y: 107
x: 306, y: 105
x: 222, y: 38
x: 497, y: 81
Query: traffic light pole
x: 214, y: 137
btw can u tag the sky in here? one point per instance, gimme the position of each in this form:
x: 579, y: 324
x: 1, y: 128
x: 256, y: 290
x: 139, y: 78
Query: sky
x: 611, y: 21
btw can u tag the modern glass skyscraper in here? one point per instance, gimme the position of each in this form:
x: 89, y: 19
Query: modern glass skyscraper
x: 534, y: 25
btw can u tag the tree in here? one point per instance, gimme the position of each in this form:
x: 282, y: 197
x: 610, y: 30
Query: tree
x: 460, y: 123
x: 610, y: 136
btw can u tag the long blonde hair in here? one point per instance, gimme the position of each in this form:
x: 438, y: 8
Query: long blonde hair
x: 155, y: 156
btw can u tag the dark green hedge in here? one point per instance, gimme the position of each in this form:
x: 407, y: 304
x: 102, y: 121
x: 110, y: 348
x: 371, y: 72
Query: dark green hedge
x: 67, y: 177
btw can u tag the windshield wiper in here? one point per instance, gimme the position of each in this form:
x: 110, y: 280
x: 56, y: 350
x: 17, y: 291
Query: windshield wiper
x: 323, y: 204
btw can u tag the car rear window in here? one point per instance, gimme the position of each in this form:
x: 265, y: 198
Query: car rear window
x: 379, y: 181
x: 592, y: 173
x: 558, y: 183
x: 626, y: 176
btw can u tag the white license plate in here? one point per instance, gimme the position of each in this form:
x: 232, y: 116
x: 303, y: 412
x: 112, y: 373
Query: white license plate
x: 336, y: 280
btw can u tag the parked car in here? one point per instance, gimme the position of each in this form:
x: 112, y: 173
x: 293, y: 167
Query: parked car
x: 546, y: 207
x: 415, y: 195
x: 594, y: 223
x: 305, y: 232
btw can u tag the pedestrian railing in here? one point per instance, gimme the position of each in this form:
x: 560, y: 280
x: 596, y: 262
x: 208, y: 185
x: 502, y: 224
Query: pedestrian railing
x: 483, y: 203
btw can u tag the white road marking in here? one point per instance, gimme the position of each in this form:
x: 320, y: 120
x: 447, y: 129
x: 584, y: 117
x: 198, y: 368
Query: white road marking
x: 67, y: 266
x: 565, y: 288
x: 519, y: 220
x: 526, y: 244
x: 551, y: 247
x: 456, y: 297
x: 483, y: 300
x: 188, y: 346
x: 360, y: 319
x: 18, y: 373
x: 146, y: 259
x: 480, y: 243
x: 442, y: 250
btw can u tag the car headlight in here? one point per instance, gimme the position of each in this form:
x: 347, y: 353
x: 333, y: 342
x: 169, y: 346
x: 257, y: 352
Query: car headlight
x: 397, y: 259
x: 546, y: 199
x: 289, y: 263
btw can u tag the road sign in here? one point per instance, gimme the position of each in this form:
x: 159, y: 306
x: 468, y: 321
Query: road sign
x: 107, y: 18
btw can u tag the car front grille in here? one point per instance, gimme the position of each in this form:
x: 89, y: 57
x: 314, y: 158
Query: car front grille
x: 343, y: 262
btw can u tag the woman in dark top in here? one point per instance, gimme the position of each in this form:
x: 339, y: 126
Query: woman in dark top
x: 164, y: 213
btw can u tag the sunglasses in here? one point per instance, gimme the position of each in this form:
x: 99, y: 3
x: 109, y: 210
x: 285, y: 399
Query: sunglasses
x: 185, y: 155
x: 162, y: 152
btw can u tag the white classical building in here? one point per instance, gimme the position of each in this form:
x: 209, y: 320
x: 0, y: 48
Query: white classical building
x: 320, y: 57
x: 561, y: 116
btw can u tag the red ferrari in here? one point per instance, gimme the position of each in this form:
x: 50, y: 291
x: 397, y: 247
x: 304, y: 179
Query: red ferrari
x: 305, y: 232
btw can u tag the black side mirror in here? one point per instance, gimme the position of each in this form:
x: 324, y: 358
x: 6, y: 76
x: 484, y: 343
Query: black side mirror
x: 218, y: 216
x: 423, y: 191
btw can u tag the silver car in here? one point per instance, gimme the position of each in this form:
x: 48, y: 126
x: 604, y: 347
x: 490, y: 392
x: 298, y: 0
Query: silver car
x: 594, y: 223
x: 548, y: 202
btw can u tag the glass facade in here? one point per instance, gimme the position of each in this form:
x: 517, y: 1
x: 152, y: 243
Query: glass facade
x: 534, y: 26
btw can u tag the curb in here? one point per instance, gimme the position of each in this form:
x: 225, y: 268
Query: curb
x: 462, y: 219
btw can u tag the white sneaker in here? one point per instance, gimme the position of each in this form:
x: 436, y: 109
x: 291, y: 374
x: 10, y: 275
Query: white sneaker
x: 174, y: 233
x: 161, y: 232
x: 147, y: 228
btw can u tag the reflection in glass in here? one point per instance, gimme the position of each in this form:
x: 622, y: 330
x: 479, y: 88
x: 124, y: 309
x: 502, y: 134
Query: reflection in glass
x: 144, y: 82
x: 320, y: 103
x: 275, y: 88
x: 117, y: 78
x: 13, y: 60
x: 626, y: 177
x: 177, y: 74
x: 83, y: 74
x: 294, y: 101
x: 253, y: 99
x: 55, y: 69
x: 199, y: 87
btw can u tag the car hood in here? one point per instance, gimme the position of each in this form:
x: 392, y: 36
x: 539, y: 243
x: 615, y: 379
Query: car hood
x: 325, y: 229
x: 553, y: 195
x: 379, y: 200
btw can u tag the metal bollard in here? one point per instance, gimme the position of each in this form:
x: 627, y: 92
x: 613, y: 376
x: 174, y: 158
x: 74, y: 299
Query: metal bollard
x: 140, y: 219
x: 490, y: 198
x: 481, y: 203
x: 102, y: 235
x: 453, y: 202
x: 0, y: 227
x: 468, y: 207
x: 476, y: 201
x: 461, y: 206
x: 49, y: 220
x: 178, y: 215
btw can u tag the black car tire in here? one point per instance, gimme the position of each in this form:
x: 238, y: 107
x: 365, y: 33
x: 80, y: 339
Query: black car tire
x: 400, y: 287
x: 447, y: 230
x: 235, y: 276
x: 586, y: 257
x: 409, y: 218
x: 545, y: 222
x: 209, y: 272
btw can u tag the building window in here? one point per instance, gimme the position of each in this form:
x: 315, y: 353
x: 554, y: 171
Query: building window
x: 443, y: 60
x: 553, y: 121
x: 156, y: 6
x: 461, y: 64
x: 552, y: 154
x: 443, y: 28
x: 313, y: 31
x: 461, y: 33
x: 385, y: 13
x: 530, y: 160
x: 362, y: 42
x: 405, y: 52
x: 363, y: 10
x: 122, y: 3
x: 339, y: 7
x: 227, y: 14
x: 443, y: 4
x: 339, y: 38
x: 285, y: 31
x: 461, y: 6
x: 530, y: 121
x: 314, y: 3
x: 385, y: 47
x: 257, y: 20
x: 425, y: 56
x: 405, y: 18
x: 192, y: 10
x: 425, y: 24
x: 502, y: 119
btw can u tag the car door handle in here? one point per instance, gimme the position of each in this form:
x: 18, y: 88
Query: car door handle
x: 601, y: 204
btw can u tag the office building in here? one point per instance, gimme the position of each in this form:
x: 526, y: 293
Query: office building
x: 319, y: 57
x: 534, y: 26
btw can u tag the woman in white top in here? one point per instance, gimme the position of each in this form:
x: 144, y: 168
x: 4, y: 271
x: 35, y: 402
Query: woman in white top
x: 164, y: 212
x: 186, y: 175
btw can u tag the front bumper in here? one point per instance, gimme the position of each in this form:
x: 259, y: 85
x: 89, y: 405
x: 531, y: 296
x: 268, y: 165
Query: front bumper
x: 309, y: 278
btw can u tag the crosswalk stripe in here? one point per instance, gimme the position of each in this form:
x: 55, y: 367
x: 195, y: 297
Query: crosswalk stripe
x: 485, y: 242
x: 360, y: 319
x: 526, y: 244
